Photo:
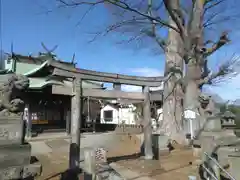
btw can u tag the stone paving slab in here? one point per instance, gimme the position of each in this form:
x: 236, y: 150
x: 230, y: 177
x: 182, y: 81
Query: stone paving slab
x: 40, y: 147
x: 48, y: 136
x: 57, y: 143
x: 128, y: 174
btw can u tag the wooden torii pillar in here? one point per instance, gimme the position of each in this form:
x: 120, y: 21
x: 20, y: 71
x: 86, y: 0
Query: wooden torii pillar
x: 148, y: 152
x: 76, y: 121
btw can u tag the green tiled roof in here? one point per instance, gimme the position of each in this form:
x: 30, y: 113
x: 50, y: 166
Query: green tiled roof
x: 37, y: 68
x: 38, y: 83
x: 24, y: 68
x: 28, y: 69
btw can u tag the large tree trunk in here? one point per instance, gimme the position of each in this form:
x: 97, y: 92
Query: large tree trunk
x: 194, y: 67
x: 172, y: 124
x: 191, y: 102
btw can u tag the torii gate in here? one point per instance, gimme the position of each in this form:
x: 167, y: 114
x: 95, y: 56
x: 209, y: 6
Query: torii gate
x: 78, y: 75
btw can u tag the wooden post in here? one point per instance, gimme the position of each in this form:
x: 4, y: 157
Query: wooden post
x: 80, y: 109
x: 68, y: 122
x: 76, y: 122
x: 148, y: 125
x: 89, y: 120
x: 117, y: 86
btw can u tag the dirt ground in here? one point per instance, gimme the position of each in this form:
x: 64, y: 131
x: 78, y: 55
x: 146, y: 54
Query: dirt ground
x: 56, y: 163
x: 53, y: 164
x: 175, y: 166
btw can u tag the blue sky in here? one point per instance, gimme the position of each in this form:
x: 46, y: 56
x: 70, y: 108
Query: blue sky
x: 26, y: 24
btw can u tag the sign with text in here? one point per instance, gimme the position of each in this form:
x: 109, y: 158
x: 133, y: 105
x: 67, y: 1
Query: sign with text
x: 189, y: 114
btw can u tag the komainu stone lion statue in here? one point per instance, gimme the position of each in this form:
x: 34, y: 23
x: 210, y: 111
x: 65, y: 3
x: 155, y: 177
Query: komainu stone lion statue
x: 10, y: 86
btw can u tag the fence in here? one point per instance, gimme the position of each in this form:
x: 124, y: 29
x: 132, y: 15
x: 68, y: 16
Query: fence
x: 212, y: 169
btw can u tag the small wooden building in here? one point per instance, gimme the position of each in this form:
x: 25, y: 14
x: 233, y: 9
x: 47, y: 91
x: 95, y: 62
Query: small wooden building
x: 118, y: 114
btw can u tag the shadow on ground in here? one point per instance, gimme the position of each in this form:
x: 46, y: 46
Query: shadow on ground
x: 33, y: 160
x: 73, y: 174
x: 126, y: 157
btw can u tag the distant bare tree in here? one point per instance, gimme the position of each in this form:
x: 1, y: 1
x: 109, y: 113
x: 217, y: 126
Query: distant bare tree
x: 188, y: 46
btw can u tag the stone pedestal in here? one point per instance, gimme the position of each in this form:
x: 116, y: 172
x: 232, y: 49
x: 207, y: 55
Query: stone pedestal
x: 211, y: 135
x: 217, y: 143
x: 15, y: 154
x: 207, y: 145
x: 11, y: 130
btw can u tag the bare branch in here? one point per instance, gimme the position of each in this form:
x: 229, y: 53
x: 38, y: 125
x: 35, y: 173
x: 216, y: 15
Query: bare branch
x: 122, y: 5
x: 209, y: 20
x: 209, y: 5
x: 125, y: 6
x: 153, y: 34
x: 84, y: 15
x: 219, y: 12
x: 226, y: 71
x: 73, y: 3
x: 176, y: 16
x: 220, y: 43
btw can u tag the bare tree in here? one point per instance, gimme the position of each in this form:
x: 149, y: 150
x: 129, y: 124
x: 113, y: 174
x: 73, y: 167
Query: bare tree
x: 187, y: 47
x: 172, y: 124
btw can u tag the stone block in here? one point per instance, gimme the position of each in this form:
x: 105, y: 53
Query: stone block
x: 11, y: 173
x: 11, y: 130
x: 207, y: 145
x: 160, y: 141
x: 32, y: 170
x: 234, y: 162
x: 213, y: 124
x: 228, y: 141
x: 21, y: 172
x: 90, y: 160
x: 129, y: 129
x: 192, y: 178
x: 164, y: 152
x: 14, y: 155
x: 223, y: 154
x: 105, y: 171
x: 160, y: 145
x: 197, y: 152
x: 219, y: 134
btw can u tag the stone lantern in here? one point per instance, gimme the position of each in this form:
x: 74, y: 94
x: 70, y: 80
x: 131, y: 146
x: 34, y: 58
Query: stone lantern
x: 228, y: 119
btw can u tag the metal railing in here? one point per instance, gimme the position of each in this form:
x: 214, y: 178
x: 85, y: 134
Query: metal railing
x: 214, y: 172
